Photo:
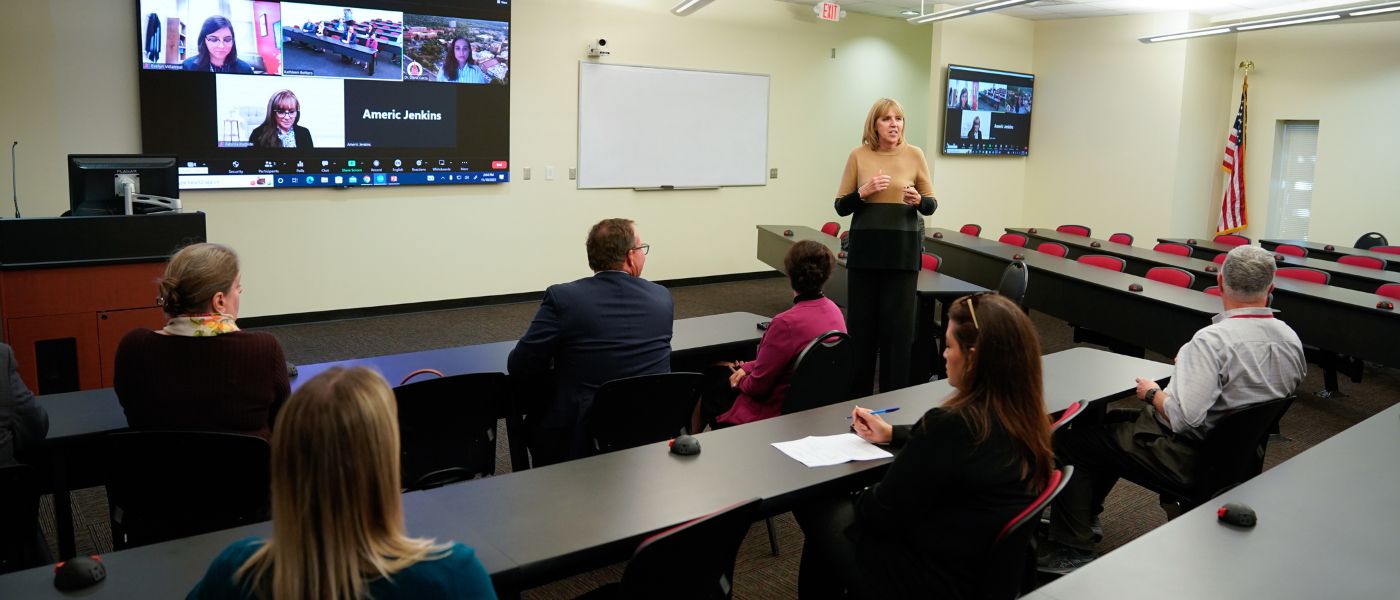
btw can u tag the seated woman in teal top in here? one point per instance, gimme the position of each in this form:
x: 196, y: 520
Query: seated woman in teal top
x: 338, y: 533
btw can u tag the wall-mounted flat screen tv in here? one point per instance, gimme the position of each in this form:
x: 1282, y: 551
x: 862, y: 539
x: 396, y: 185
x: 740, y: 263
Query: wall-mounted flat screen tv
x: 265, y: 94
x: 988, y: 112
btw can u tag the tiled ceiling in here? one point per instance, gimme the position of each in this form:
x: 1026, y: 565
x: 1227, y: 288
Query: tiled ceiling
x: 1073, y: 9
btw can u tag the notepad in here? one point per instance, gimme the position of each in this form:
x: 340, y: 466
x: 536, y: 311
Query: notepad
x: 823, y: 450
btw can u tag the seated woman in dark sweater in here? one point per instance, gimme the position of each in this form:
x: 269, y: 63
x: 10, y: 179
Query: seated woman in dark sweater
x: 962, y: 472
x: 200, y: 372
x: 337, y: 514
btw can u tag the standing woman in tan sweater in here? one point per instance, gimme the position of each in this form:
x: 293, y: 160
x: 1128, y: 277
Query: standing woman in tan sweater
x: 886, y: 187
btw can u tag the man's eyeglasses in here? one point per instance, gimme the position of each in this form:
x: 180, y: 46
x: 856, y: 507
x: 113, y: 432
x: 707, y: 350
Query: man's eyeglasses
x: 644, y: 248
x: 285, y: 111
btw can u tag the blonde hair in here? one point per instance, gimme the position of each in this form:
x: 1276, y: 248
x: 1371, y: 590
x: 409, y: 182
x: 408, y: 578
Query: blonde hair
x: 337, y: 514
x: 871, y: 138
x: 194, y: 275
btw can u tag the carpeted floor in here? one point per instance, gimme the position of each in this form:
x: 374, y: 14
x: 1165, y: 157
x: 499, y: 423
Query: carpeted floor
x: 1129, y: 512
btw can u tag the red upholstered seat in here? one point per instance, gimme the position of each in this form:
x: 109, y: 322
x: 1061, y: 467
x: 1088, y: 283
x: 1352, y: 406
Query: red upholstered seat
x: 1170, y: 248
x: 1121, y: 238
x: 1213, y: 290
x: 1172, y: 275
x: 1389, y: 290
x: 1103, y: 261
x: 1305, y: 274
x: 971, y: 229
x: 831, y: 228
x: 1073, y: 230
x: 1053, y: 249
x: 930, y: 262
x: 1231, y: 239
x: 1292, y: 250
x: 1015, y: 239
x: 1386, y: 249
x: 1367, y: 262
x: 1219, y: 259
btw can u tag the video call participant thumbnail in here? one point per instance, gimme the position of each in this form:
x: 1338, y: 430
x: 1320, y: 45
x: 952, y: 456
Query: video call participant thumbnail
x: 279, y: 128
x: 460, y: 66
x: 218, y: 51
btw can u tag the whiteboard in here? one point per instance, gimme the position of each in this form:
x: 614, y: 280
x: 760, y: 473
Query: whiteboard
x: 649, y: 127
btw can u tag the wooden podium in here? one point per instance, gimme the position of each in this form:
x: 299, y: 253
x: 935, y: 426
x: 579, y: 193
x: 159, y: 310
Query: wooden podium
x: 71, y: 287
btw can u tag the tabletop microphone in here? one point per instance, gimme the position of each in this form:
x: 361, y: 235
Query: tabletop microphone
x: 14, y: 175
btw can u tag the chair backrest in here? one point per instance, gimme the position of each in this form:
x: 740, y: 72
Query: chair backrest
x: 1053, y: 249
x: 1213, y: 290
x: 930, y: 261
x: 1121, y: 238
x: 1365, y: 262
x: 1104, y: 261
x: 1059, y: 478
x: 19, y: 518
x: 1014, y: 280
x: 1172, y: 275
x: 1170, y: 248
x: 1233, y: 450
x: 1015, y: 239
x: 1385, y: 249
x: 1068, y: 415
x: 163, y: 485
x: 1003, y: 571
x: 449, y: 423
x: 1389, y: 290
x: 691, y: 560
x: 1370, y: 240
x: 821, y: 375
x: 633, y: 411
x: 831, y: 228
x: 971, y: 229
x: 1219, y: 259
x: 1291, y: 250
x: 1231, y: 239
x: 1073, y: 230
x: 1304, y: 274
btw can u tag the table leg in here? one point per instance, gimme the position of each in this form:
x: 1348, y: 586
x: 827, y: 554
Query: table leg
x: 62, y: 504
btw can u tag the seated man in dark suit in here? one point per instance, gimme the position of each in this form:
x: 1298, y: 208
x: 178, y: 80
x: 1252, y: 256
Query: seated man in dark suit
x: 23, y: 423
x: 609, y: 326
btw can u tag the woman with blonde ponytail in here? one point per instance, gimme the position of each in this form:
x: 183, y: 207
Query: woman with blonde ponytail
x: 337, y: 519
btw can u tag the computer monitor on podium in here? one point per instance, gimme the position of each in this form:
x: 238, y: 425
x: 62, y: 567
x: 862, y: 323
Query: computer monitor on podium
x: 122, y: 184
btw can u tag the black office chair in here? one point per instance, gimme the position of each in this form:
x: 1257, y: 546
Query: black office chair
x: 693, y: 560
x: 821, y: 375
x: 1371, y: 240
x: 163, y: 485
x: 19, y: 519
x: 633, y: 411
x: 1014, y: 281
x: 448, y: 426
x: 1232, y: 453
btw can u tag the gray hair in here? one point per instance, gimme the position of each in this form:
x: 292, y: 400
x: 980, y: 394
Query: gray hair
x: 1247, y: 273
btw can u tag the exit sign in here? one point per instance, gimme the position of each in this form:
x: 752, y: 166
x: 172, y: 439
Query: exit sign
x: 829, y: 11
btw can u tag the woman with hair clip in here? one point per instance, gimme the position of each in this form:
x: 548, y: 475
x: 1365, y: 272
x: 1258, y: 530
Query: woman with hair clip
x: 460, y: 66
x: 218, y: 52
x: 337, y: 532
x: 964, y: 470
x: 281, y: 126
x: 200, y: 372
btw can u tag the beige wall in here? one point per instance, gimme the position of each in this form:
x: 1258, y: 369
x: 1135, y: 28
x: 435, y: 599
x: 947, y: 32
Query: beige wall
x: 1346, y: 77
x: 311, y: 250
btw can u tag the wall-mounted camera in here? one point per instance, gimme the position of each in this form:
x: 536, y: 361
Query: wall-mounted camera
x: 595, y: 49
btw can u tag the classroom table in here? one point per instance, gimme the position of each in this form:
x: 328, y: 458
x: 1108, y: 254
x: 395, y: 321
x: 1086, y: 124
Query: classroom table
x: 1320, y: 250
x: 1327, y: 528
x: 350, y: 51
x: 1205, y: 248
x: 1343, y: 321
x: 1350, y: 277
x: 551, y: 522
x: 932, y: 287
x: 78, y: 420
x: 1160, y: 318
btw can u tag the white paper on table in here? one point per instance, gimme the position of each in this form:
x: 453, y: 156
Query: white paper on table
x: 823, y: 450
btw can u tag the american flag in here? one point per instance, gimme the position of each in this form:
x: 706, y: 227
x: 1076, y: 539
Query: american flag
x: 1233, y: 215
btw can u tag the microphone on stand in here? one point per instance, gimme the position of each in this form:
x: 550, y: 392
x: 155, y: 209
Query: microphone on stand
x: 14, y: 174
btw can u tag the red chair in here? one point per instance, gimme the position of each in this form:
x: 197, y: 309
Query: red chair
x: 1389, y: 290
x: 1292, y: 250
x: 1172, y: 275
x: 1231, y: 239
x: 831, y: 228
x: 1386, y: 249
x: 1001, y: 575
x: 971, y: 229
x: 1053, y: 249
x: 1365, y: 262
x: 1104, y: 261
x: 930, y: 261
x: 1170, y: 248
x: 1073, y: 230
x: 1213, y: 290
x: 1058, y: 479
x: 1070, y: 413
x: 1015, y: 239
x: 1219, y: 259
x: 1305, y: 274
x: 1121, y: 238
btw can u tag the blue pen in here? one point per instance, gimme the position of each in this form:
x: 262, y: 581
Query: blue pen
x: 879, y: 412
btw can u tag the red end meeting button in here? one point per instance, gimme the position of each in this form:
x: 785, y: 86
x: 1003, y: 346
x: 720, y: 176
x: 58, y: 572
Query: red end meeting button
x: 498, y: 164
